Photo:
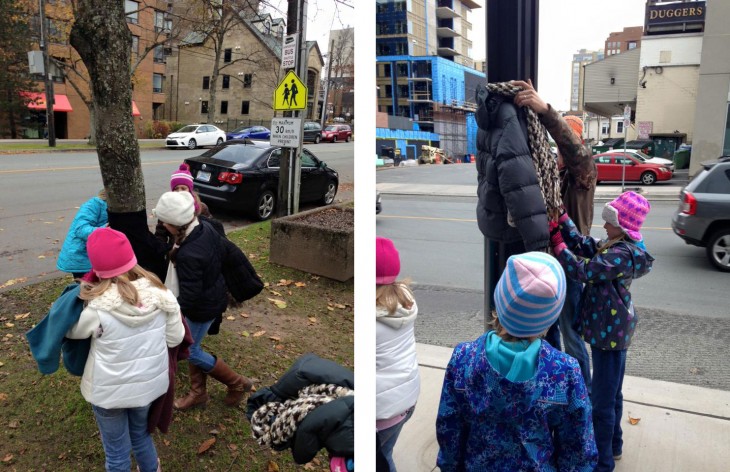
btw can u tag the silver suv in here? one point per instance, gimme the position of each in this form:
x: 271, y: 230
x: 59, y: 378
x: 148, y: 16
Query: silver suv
x: 703, y: 216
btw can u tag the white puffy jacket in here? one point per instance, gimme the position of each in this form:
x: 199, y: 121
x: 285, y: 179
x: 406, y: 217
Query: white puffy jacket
x: 127, y: 365
x: 397, y: 380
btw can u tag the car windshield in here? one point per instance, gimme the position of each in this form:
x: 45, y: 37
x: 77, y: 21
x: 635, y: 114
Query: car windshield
x: 187, y: 129
x: 642, y: 156
x: 331, y: 128
x: 241, y: 130
x: 244, y: 154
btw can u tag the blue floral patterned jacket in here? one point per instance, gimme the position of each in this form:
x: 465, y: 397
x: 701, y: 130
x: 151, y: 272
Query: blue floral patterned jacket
x: 607, y: 318
x: 487, y: 423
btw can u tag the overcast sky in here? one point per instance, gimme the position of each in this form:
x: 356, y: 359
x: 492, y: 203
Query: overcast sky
x: 566, y: 26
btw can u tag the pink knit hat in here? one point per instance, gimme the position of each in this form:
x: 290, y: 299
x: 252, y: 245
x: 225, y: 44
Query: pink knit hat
x: 387, y: 261
x: 110, y: 253
x: 182, y: 177
x: 628, y: 212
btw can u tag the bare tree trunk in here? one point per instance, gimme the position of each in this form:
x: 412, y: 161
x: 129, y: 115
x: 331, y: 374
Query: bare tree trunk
x: 214, y: 83
x: 101, y: 37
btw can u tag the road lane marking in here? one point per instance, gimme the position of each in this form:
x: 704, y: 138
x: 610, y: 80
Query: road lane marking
x: 55, y: 169
x: 465, y: 220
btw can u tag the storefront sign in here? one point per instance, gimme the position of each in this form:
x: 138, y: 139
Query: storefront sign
x: 645, y: 128
x: 686, y: 12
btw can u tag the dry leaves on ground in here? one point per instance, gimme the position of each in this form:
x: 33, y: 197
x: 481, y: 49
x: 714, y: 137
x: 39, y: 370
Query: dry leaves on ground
x: 207, y: 444
x: 634, y: 420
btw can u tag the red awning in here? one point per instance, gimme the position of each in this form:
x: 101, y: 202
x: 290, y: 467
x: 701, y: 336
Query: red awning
x: 38, y: 101
x: 135, y: 110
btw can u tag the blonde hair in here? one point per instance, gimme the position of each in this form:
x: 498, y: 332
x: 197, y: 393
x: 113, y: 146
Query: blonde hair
x: 390, y: 296
x: 127, y: 291
x: 502, y: 332
x: 102, y: 194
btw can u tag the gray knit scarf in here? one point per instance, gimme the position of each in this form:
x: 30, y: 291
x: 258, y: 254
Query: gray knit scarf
x: 275, y: 423
x: 546, y: 166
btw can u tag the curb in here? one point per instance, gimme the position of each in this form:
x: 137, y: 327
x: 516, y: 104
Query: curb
x: 600, y: 198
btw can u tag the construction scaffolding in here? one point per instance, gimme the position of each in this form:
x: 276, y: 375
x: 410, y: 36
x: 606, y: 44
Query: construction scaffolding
x: 450, y: 122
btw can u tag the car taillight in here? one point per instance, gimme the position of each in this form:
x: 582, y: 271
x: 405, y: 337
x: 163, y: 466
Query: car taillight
x: 689, y: 204
x: 233, y: 178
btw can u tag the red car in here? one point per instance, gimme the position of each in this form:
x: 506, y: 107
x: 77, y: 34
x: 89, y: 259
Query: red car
x: 336, y: 133
x: 611, y: 165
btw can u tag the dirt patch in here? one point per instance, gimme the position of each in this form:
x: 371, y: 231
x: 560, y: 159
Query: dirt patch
x: 332, y: 218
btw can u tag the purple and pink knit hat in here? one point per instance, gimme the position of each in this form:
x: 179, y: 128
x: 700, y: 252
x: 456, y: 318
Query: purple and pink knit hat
x: 628, y: 212
x: 182, y: 177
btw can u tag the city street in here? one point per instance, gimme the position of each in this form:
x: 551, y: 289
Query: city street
x: 682, y: 304
x: 42, y: 192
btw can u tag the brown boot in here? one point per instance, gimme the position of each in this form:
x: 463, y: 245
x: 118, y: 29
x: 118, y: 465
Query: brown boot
x: 197, y: 395
x: 238, y: 385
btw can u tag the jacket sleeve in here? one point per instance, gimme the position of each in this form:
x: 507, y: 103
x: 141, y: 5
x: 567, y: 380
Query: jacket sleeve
x: 190, y: 276
x: 519, y: 186
x: 580, y: 245
x: 86, y: 326
x: 174, y: 329
x: 575, y: 442
x: 608, y: 264
x: 329, y: 426
x: 91, y: 216
x: 451, y: 426
x: 576, y: 157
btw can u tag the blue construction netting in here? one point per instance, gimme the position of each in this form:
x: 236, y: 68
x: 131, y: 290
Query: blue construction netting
x: 471, y: 134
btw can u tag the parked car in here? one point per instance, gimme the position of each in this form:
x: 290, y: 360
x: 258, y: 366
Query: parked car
x: 312, y: 132
x: 642, y: 156
x: 611, y: 166
x: 703, y: 216
x: 336, y: 133
x: 378, y: 203
x: 251, y: 132
x: 192, y: 136
x: 244, y: 175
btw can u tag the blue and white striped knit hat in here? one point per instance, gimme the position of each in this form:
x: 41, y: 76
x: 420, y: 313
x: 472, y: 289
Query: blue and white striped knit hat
x: 530, y: 294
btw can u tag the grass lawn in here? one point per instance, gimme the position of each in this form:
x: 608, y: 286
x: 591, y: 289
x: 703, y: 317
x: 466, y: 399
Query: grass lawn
x: 8, y: 148
x: 46, y: 425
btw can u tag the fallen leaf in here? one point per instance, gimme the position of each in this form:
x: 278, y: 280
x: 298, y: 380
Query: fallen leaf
x: 41, y: 256
x: 634, y: 420
x: 207, y: 444
x: 245, y: 334
x: 13, y: 282
x: 62, y: 456
x: 284, y: 283
x: 231, y: 318
x: 275, y: 338
x: 3, y: 396
x: 300, y: 284
x: 279, y: 347
x: 233, y: 447
x: 273, y: 467
x: 244, y: 315
x: 214, y: 432
x: 316, y: 461
x: 8, y: 458
x: 258, y: 333
x: 9, y: 325
x: 266, y: 284
x: 308, y: 466
x: 278, y: 303
x: 13, y: 424
x: 2, y: 364
x: 22, y: 317
x: 166, y: 442
x: 275, y: 293
x: 340, y: 306
x: 312, y: 319
x: 330, y: 308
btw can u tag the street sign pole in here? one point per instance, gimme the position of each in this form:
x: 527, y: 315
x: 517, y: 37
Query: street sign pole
x: 302, y: 73
x: 48, y: 78
x: 627, y: 121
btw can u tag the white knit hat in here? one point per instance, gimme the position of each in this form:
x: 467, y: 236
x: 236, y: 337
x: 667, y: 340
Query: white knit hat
x: 175, y: 208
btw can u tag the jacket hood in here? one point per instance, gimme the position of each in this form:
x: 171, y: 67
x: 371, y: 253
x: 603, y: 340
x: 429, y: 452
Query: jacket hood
x: 151, y: 299
x: 642, y: 261
x: 487, y: 107
x: 401, y: 317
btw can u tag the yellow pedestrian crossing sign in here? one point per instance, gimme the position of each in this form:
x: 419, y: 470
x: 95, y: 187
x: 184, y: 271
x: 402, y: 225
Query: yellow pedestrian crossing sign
x: 290, y: 94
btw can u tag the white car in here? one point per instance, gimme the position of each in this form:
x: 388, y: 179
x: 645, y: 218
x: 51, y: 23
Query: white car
x: 192, y: 136
x: 669, y: 164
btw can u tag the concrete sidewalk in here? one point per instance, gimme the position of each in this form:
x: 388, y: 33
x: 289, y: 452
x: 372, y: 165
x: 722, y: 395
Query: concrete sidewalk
x: 681, y: 428
x: 603, y: 192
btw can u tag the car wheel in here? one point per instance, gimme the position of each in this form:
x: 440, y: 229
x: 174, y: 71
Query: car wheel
x: 192, y: 144
x: 265, y: 205
x: 334, y: 139
x: 316, y: 139
x: 219, y: 142
x: 718, y: 249
x: 347, y: 139
x: 329, y: 194
x: 648, y: 178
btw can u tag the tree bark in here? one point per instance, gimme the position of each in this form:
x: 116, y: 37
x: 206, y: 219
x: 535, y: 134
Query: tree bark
x: 101, y: 37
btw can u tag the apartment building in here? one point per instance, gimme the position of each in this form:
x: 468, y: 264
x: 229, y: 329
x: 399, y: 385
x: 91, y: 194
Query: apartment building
x: 621, y: 41
x: 580, y: 59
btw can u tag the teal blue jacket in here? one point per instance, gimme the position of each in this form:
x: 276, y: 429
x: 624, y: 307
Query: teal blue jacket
x: 73, y: 256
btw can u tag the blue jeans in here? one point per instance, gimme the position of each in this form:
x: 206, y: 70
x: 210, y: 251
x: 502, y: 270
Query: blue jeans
x: 198, y: 357
x: 608, y: 405
x: 388, y: 438
x: 124, y: 430
x: 574, y: 345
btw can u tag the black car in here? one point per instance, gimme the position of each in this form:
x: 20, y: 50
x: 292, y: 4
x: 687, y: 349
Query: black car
x: 244, y: 175
x: 312, y: 132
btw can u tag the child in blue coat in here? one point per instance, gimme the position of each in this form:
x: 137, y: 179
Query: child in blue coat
x: 510, y: 401
x: 73, y: 257
x: 607, y: 318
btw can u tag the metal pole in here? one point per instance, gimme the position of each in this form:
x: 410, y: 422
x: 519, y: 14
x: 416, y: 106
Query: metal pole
x: 48, y: 78
x: 301, y: 69
x: 623, y: 162
x: 327, y: 84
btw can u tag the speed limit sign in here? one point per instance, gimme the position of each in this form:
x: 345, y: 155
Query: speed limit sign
x: 285, y: 132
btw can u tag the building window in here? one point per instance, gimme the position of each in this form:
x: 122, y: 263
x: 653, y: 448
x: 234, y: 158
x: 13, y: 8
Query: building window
x: 227, y: 55
x: 382, y: 28
x: 399, y: 6
x: 224, y: 107
x: 159, y: 53
x: 620, y: 127
x: 403, y: 91
x: 226, y: 81
x: 206, y: 82
x: 401, y: 49
x: 388, y: 91
x: 157, y: 83
x: 135, y: 45
x: 604, y: 128
x: 244, y: 107
x: 130, y: 8
x: 159, y: 21
x: 632, y: 45
x: 386, y: 70
x: 247, y: 80
x: 382, y: 7
x: 402, y: 70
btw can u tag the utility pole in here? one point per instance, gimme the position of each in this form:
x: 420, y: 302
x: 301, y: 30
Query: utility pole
x: 327, y: 84
x: 47, y: 77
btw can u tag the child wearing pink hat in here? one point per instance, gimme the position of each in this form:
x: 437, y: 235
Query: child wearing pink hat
x: 608, y: 317
x: 397, y: 380
x: 131, y: 319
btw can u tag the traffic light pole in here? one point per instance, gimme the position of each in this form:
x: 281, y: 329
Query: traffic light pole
x: 47, y: 77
